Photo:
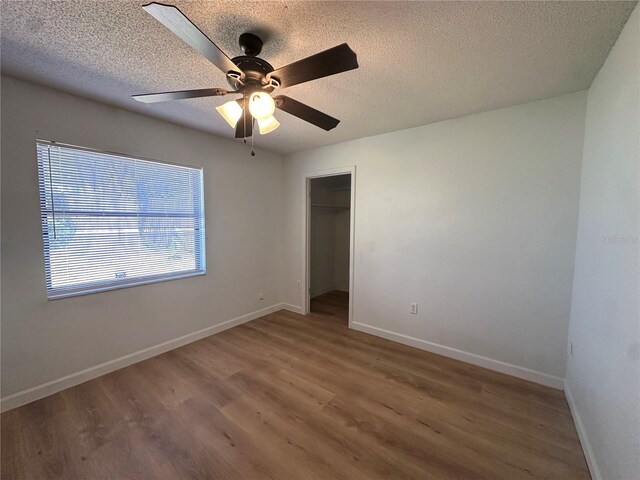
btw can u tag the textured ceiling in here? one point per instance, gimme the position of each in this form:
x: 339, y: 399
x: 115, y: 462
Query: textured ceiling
x: 420, y: 62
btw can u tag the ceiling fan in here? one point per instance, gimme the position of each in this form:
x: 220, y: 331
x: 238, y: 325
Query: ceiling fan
x: 252, y: 77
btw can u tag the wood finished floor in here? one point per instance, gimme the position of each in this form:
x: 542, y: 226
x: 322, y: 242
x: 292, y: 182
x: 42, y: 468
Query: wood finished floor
x: 293, y: 397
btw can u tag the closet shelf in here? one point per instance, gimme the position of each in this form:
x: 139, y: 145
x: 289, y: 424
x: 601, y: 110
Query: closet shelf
x: 335, y: 207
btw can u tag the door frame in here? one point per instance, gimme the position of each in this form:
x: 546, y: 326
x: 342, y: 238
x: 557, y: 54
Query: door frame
x: 306, y: 223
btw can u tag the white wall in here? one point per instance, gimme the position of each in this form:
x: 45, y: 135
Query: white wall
x: 45, y: 340
x: 475, y: 220
x: 603, y: 374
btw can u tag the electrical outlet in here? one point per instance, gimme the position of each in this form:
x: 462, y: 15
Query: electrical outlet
x: 414, y: 308
x: 261, y: 296
x: 299, y: 284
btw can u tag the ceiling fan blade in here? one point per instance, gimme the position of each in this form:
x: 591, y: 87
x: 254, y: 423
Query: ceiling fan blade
x: 306, y: 113
x: 180, y: 95
x: 335, y: 60
x: 176, y: 21
x: 247, y: 120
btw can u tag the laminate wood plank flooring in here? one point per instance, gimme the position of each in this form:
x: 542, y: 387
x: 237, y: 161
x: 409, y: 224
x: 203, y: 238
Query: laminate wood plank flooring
x: 294, y: 397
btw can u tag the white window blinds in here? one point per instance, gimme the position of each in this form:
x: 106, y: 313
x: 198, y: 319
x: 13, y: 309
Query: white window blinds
x: 110, y: 221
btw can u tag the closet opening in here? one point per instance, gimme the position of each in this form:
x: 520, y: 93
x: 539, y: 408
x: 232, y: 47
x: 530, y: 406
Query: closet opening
x: 329, y: 246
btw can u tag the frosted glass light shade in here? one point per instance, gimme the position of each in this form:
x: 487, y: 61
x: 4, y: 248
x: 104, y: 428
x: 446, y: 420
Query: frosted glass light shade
x: 268, y: 125
x: 231, y: 112
x: 261, y: 105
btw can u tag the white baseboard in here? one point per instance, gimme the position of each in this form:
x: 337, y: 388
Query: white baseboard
x: 53, y: 386
x: 292, y: 308
x: 582, y: 435
x: 40, y: 391
x: 485, y: 362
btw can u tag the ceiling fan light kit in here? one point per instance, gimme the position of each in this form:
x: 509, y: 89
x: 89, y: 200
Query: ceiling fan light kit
x: 252, y: 77
x: 231, y: 112
x: 268, y: 125
x: 261, y: 105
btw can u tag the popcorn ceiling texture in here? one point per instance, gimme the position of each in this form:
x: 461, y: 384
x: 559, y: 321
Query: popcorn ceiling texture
x: 420, y: 62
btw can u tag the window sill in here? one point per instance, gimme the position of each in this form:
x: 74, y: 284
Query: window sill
x: 60, y: 293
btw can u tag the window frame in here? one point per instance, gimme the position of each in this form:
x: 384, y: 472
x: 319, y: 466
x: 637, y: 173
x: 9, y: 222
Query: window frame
x: 93, y: 287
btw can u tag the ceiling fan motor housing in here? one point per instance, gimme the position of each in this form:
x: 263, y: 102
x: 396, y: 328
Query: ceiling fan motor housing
x: 255, y: 71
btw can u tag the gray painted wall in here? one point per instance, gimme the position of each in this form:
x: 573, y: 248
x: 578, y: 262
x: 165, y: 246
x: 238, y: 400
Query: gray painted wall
x: 44, y: 340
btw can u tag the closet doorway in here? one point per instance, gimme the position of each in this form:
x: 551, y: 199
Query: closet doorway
x: 329, y: 245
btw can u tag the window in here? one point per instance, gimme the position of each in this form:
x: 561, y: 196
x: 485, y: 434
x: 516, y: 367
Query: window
x: 110, y: 221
